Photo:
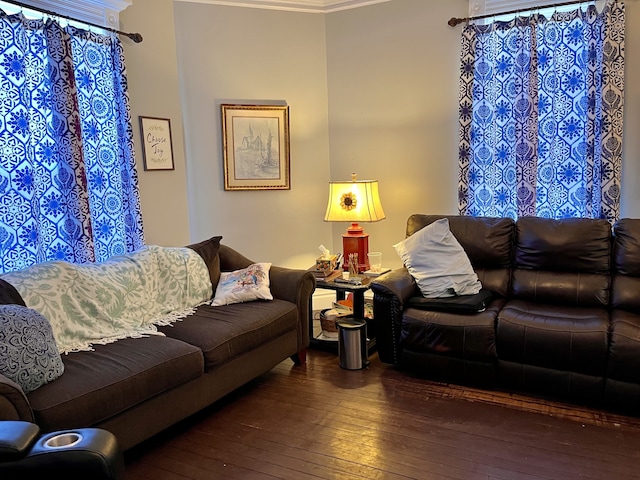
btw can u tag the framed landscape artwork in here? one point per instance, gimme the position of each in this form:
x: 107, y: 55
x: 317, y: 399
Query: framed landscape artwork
x: 256, y: 147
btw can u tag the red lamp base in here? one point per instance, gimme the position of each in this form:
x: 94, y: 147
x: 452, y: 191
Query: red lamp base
x: 355, y: 241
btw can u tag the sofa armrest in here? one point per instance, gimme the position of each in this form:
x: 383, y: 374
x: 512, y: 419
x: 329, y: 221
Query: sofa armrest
x: 295, y: 286
x: 14, y: 404
x: 390, y: 292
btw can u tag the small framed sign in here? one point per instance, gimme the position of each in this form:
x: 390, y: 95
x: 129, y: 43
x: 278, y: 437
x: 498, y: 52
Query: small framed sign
x: 157, y: 150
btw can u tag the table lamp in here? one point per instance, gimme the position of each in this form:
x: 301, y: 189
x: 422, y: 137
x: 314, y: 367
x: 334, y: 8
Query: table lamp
x: 354, y: 201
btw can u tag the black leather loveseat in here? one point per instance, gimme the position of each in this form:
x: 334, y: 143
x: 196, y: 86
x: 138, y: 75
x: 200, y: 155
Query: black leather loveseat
x: 564, y: 319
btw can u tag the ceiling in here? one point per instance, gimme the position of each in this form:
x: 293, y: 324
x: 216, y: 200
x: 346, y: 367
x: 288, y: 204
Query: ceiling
x: 311, y: 6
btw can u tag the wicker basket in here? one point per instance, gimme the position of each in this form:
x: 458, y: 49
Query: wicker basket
x: 328, y: 319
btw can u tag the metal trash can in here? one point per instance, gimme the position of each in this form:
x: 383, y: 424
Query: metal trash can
x: 352, y: 344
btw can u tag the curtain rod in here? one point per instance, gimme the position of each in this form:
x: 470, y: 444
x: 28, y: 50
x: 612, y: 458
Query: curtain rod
x: 136, y: 37
x: 454, y: 22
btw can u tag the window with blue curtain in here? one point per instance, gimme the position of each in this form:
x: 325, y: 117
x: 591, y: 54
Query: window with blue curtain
x: 68, y: 179
x: 541, y: 108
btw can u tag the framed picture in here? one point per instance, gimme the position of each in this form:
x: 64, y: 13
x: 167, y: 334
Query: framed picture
x: 157, y: 150
x: 256, y: 147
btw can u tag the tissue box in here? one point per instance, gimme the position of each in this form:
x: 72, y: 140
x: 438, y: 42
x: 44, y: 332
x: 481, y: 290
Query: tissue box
x: 326, y: 264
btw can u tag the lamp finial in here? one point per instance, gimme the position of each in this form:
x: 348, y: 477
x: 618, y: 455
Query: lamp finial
x: 353, y: 177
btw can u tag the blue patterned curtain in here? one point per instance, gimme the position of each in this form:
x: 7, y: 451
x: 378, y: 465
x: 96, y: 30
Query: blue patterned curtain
x: 541, y: 115
x: 68, y: 181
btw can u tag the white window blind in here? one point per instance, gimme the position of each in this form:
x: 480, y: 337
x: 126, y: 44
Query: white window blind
x: 99, y: 12
x: 496, y: 7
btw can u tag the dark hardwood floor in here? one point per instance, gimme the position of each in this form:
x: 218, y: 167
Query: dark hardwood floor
x: 323, y: 422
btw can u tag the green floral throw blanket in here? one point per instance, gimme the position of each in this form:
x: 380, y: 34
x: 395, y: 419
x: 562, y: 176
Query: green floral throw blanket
x: 126, y: 296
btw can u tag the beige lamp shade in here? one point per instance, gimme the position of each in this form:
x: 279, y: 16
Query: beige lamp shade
x: 354, y: 201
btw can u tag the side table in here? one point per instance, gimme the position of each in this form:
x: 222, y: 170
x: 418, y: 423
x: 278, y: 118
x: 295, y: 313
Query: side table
x: 341, y: 290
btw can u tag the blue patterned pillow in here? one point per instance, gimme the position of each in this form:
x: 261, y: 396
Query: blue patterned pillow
x: 28, y: 352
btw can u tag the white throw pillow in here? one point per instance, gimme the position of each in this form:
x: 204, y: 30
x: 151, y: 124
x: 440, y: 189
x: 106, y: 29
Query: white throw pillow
x: 251, y: 283
x: 438, y: 262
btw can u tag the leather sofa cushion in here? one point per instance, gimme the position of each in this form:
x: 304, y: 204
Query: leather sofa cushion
x: 562, y: 261
x: 488, y: 242
x: 461, y: 304
x: 226, y: 331
x: 562, y: 288
x: 471, y: 337
x: 554, y: 337
x: 626, y: 259
x: 626, y: 249
x: 100, y: 384
x: 624, y: 293
x: 567, y: 245
x: 624, y: 350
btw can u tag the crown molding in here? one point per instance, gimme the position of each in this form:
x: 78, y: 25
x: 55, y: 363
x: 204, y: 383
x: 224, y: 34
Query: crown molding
x: 309, y: 6
x: 100, y: 12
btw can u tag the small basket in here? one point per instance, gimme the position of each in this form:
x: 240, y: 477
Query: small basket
x: 328, y: 319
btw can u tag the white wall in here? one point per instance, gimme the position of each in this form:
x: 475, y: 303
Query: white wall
x: 244, y: 55
x: 372, y: 90
x: 393, y: 105
x: 152, y: 72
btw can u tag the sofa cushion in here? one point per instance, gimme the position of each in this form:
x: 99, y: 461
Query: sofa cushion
x: 553, y: 336
x: 9, y: 294
x: 626, y: 247
x: 487, y: 241
x: 569, y: 245
x: 626, y: 258
x: 624, y: 352
x: 469, y: 337
x: 100, y: 384
x: 622, y: 386
x: 208, y: 250
x: 244, y: 285
x: 28, y: 352
x: 437, y: 262
x: 461, y: 304
x: 565, y: 262
x: 225, y: 332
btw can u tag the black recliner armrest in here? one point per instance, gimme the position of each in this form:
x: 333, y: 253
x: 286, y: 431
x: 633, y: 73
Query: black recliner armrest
x: 80, y: 454
x: 16, y: 439
x: 390, y: 293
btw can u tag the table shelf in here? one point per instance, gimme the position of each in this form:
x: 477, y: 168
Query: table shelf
x: 317, y: 338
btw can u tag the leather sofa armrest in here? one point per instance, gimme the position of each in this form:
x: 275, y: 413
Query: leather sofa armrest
x: 14, y: 404
x: 295, y: 286
x: 390, y: 292
x: 16, y: 439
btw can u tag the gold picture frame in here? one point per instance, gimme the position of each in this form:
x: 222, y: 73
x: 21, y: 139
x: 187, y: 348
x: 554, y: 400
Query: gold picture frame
x: 256, y: 147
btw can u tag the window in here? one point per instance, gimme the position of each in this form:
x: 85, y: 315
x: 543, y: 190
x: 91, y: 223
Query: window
x: 497, y: 8
x: 98, y: 12
x: 541, y: 115
x: 68, y: 181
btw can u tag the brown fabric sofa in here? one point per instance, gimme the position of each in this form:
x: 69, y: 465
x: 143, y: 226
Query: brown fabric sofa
x: 137, y: 387
x: 564, y: 320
